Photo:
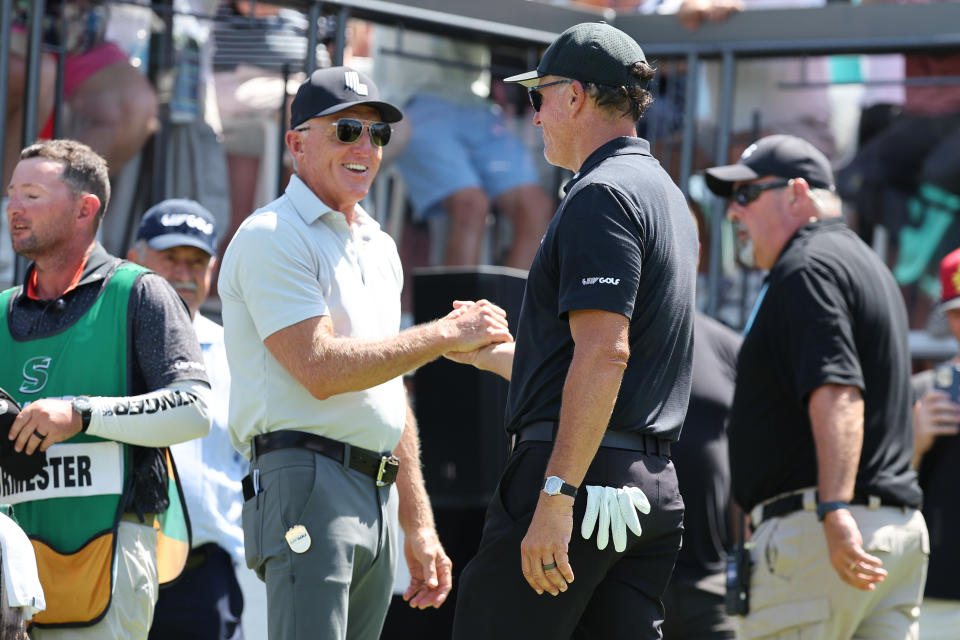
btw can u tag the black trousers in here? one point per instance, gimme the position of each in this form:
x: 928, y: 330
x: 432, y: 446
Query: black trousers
x: 204, y: 604
x: 696, y: 607
x: 614, y: 595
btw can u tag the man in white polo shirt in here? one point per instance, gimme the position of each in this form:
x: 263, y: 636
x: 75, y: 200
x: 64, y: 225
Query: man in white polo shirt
x: 310, y: 287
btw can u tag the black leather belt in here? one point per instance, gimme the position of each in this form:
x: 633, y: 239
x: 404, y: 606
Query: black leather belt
x: 795, y: 502
x: 381, y: 467
x: 545, y: 431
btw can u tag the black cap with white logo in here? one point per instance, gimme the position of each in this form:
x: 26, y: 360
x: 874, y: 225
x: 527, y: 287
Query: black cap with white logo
x: 334, y: 89
x: 777, y: 155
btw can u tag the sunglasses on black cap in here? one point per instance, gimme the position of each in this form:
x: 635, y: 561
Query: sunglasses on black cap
x: 349, y: 130
x: 747, y: 193
x: 536, y: 98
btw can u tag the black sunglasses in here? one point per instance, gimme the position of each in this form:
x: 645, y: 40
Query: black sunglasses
x: 747, y: 193
x: 536, y: 98
x: 349, y: 131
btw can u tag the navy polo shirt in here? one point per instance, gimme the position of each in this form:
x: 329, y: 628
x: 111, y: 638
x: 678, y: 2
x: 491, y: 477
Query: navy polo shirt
x: 623, y: 240
x: 832, y: 314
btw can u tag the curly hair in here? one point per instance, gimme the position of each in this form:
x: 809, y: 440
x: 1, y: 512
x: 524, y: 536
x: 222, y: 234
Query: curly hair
x: 632, y: 100
x: 84, y: 171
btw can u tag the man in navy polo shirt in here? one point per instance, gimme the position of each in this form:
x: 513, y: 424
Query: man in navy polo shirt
x: 600, y: 375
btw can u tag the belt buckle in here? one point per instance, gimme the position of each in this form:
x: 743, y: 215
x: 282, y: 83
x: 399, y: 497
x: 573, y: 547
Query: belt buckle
x: 385, y: 461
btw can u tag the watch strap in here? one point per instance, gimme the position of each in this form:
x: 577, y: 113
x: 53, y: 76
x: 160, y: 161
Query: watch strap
x: 823, y: 508
x: 85, y: 409
x: 566, y: 488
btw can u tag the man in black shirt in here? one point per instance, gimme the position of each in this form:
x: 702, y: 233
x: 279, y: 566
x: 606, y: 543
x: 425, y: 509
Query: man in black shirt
x: 600, y: 376
x: 820, y: 424
x: 694, y: 598
x: 936, y: 457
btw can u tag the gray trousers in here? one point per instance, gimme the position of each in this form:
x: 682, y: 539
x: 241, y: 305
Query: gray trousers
x: 340, y: 587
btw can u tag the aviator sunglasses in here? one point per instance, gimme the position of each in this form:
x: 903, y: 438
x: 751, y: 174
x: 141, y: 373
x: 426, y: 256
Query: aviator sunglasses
x: 747, y: 193
x: 536, y: 98
x: 349, y: 130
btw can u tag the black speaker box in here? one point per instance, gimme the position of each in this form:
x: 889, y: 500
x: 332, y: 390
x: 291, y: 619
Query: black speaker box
x: 459, y: 408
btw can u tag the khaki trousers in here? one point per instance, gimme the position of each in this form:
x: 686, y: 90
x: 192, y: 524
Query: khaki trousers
x: 939, y: 619
x: 134, y: 591
x: 796, y: 594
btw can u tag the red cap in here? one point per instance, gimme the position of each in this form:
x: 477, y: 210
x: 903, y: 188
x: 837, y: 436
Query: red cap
x: 950, y: 280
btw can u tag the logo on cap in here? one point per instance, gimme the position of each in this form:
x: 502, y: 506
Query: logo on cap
x: 748, y: 151
x: 189, y: 219
x: 351, y: 80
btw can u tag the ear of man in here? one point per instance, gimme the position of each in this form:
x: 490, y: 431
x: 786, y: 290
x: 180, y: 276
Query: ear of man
x: 801, y: 204
x: 294, y: 142
x: 89, y: 206
x: 576, y: 98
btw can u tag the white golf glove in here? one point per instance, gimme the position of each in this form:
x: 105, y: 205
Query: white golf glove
x: 613, y: 511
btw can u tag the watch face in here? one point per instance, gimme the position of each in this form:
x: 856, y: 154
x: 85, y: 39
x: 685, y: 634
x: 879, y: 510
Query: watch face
x: 552, y: 485
x: 82, y: 403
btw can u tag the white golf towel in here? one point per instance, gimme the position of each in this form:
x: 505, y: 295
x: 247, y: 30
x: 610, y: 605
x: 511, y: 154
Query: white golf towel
x: 20, y: 581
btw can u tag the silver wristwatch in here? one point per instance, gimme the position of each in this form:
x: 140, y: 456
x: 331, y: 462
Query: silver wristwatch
x: 554, y: 485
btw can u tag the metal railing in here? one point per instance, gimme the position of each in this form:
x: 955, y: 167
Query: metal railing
x: 833, y: 29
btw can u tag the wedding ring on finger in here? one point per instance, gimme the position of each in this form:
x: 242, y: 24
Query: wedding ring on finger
x: 547, y: 567
x: 853, y: 565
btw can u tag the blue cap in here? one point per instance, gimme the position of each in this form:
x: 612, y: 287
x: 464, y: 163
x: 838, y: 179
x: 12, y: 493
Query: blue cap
x: 176, y: 223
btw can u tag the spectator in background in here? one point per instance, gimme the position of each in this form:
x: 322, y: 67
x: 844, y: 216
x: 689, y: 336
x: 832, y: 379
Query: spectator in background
x: 111, y: 105
x: 13, y: 130
x: 461, y: 158
x: 16, y: 97
x: 177, y: 239
x: 196, y: 163
x: 108, y: 103
x: 256, y: 47
x: 907, y: 177
x: 820, y: 438
x: 936, y: 456
x: 761, y: 105
x: 694, y: 599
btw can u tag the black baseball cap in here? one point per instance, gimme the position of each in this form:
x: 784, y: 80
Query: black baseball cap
x: 334, y: 89
x: 589, y: 52
x: 777, y: 155
x: 178, y: 222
